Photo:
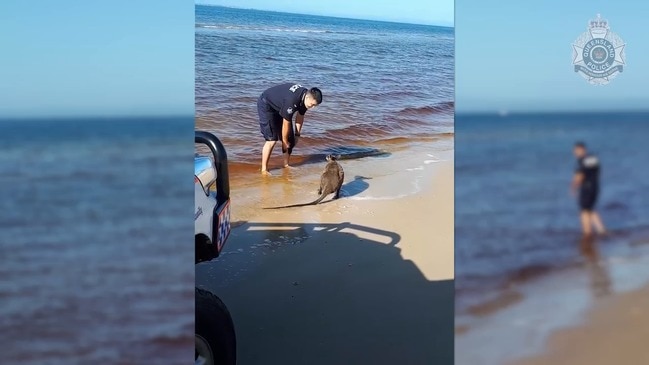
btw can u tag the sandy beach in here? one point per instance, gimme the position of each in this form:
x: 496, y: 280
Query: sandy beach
x: 366, y: 279
x: 615, y: 332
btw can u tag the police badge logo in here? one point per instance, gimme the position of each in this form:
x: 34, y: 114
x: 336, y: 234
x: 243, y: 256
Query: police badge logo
x: 598, y: 54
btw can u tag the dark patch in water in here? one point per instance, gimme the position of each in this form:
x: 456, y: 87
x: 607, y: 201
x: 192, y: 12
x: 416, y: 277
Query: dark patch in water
x: 238, y: 168
x: 447, y: 106
x: 615, y: 206
x: 531, y: 272
x: 345, y: 153
x: 461, y: 329
x: 502, y: 300
x: 354, y: 152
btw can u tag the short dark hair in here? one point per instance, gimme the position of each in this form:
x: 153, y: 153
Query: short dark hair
x: 317, y: 94
x: 580, y: 144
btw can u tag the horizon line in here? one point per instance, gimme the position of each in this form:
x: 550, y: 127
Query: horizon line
x: 331, y: 16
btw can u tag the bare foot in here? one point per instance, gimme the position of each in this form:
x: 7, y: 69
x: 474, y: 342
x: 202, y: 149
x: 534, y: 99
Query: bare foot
x: 266, y: 173
x: 289, y: 167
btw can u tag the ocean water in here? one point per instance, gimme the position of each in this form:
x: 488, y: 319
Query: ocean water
x: 384, y: 84
x: 516, y: 221
x: 96, y: 259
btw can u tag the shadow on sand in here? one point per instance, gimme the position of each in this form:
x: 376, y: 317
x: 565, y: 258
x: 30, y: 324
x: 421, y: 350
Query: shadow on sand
x: 329, y: 294
x: 355, y: 187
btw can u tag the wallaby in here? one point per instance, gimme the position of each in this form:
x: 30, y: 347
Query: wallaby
x: 331, y: 181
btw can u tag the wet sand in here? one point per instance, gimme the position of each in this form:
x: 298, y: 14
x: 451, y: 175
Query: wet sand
x: 615, y: 332
x: 367, y: 279
x: 567, y: 316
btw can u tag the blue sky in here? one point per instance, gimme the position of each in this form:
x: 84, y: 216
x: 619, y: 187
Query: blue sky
x: 96, y: 58
x: 432, y: 12
x: 517, y: 55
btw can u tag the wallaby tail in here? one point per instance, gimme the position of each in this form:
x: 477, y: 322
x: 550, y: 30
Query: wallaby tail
x: 322, y: 196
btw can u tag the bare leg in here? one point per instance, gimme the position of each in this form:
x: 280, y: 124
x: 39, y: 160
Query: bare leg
x: 597, y: 222
x: 287, y: 157
x: 265, y: 156
x: 286, y: 153
x: 585, y: 222
x: 288, y: 129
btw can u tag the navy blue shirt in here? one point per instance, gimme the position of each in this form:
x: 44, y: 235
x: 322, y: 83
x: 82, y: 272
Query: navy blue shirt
x: 286, y: 99
x: 589, y: 167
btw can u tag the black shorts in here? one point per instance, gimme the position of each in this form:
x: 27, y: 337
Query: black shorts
x: 587, y: 199
x: 270, y: 122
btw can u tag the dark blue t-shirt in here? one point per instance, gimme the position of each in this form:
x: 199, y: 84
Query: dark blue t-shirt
x: 286, y: 99
x: 589, y: 167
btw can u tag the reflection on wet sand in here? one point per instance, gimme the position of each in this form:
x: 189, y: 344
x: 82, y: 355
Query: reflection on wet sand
x: 600, y: 278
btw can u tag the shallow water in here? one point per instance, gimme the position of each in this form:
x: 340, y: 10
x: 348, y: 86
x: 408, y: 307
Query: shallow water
x: 515, y: 218
x: 382, y: 82
x: 517, y: 240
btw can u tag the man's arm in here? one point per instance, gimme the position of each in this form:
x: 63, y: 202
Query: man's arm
x: 299, y: 120
x: 576, y: 181
x: 286, y: 131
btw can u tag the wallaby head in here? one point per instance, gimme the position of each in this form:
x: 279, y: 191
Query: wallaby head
x: 332, y: 157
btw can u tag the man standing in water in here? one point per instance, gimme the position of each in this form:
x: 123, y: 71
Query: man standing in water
x: 586, y: 180
x: 276, y: 107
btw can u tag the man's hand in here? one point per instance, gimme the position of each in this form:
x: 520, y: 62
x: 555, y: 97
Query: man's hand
x: 576, y: 183
x: 299, y: 121
x: 285, y: 146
